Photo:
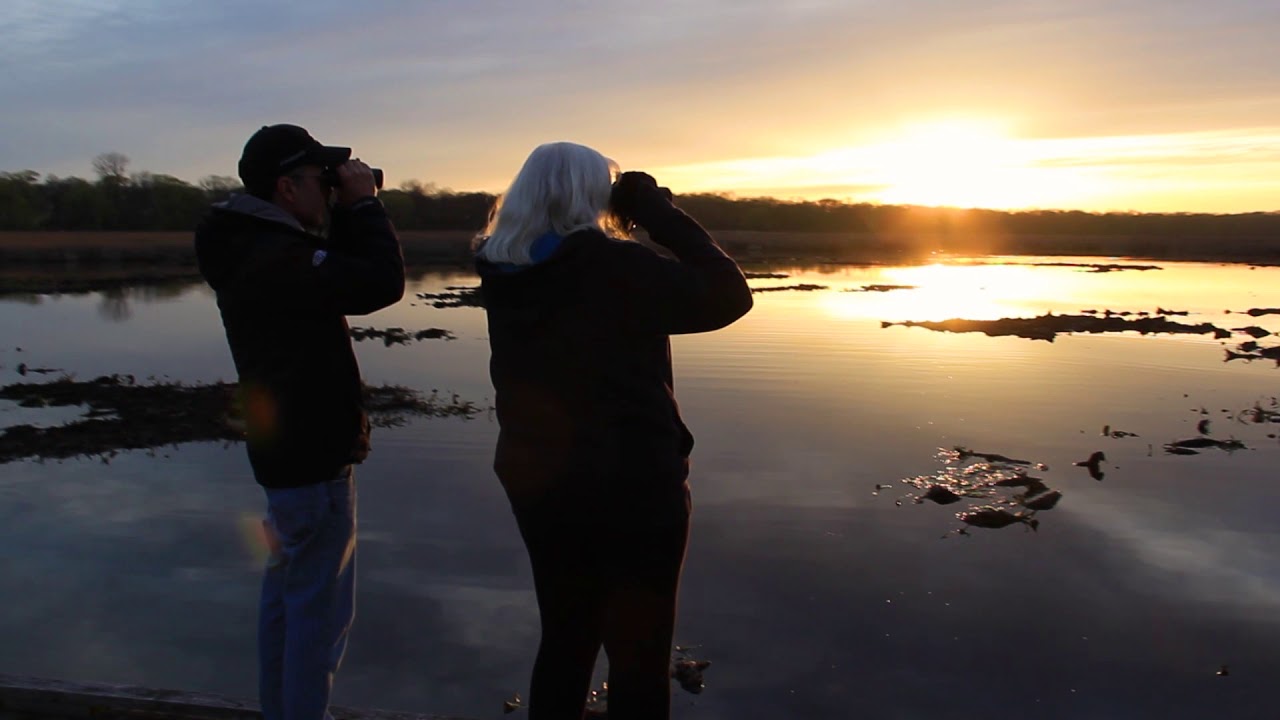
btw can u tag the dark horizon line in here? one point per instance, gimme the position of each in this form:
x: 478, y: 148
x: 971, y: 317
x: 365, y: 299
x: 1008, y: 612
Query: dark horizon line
x: 430, y: 188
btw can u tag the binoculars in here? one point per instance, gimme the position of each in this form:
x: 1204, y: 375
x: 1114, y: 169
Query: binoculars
x: 330, y: 176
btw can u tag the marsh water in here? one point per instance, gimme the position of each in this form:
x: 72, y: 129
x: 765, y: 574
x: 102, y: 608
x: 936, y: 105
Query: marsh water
x: 816, y: 591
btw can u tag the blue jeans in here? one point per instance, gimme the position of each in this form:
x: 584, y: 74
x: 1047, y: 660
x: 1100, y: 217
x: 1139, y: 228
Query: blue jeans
x: 308, y: 596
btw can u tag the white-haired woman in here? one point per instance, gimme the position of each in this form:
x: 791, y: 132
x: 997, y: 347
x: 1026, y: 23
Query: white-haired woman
x: 592, y: 451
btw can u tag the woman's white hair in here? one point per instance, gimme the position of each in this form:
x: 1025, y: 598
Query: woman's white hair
x: 563, y: 187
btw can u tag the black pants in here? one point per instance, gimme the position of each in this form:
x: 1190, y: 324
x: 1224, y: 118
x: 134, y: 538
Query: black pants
x: 599, y: 584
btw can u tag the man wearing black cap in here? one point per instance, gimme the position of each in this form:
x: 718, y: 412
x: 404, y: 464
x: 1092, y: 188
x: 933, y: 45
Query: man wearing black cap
x: 283, y: 291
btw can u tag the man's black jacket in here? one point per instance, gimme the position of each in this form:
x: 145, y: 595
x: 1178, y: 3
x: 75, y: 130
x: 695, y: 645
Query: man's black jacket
x: 284, y: 294
x: 581, y: 367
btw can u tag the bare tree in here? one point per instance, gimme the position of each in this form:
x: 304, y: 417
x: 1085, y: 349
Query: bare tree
x: 112, y: 166
x: 417, y: 188
x: 218, y: 185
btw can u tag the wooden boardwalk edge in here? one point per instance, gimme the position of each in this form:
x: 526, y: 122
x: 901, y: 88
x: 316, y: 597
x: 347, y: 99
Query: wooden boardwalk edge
x: 30, y: 698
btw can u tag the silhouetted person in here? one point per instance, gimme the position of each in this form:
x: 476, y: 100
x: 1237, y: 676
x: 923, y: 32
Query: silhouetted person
x: 592, y: 452
x: 283, y: 291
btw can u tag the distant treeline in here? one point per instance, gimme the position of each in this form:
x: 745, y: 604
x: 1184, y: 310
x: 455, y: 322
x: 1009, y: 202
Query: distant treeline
x: 143, y: 201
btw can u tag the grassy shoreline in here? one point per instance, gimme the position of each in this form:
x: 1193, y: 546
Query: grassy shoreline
x: 45, y: 262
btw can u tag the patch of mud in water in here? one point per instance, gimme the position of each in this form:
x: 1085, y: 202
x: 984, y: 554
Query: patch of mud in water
x: 1261, y: 412
x: 1193, y: 446
x: 1250, y: 350
x: 803, y: 287
x: 399, y: 336
x: 1047, y: 327
x: 1084, y: 267
x: 882, y: 288
x: 454, y: 296
x: 1000, y: 489
x: 126, y: 415
x: 1107, y: 312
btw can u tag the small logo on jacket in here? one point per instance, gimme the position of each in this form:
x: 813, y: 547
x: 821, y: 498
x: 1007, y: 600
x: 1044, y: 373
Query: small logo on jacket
x: 318, y: 258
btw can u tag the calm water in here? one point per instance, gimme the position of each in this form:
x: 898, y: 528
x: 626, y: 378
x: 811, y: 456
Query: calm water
x: 813, y: 596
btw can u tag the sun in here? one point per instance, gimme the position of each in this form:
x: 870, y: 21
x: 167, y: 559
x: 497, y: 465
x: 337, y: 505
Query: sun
x: 963, y: 163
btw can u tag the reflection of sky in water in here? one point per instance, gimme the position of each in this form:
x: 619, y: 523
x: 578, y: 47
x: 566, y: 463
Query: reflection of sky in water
x: 813, y: 597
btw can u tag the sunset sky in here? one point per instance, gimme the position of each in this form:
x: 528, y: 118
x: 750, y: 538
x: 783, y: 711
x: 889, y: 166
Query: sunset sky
x: 1150, y: 105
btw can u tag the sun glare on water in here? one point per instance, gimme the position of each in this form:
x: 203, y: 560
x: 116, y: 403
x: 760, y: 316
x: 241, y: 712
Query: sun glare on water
x: 941, y: 292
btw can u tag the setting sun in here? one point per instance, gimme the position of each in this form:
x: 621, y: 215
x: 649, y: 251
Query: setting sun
x: 962, y: 163
x: 955, y: 162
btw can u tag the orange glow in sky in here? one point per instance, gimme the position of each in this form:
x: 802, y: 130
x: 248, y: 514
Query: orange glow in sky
x: 1148, y: 105
x: 968, y: 162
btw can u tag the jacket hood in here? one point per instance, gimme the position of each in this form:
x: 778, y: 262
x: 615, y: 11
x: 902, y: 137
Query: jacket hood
x: 224, y: 235
x: 546, y: 250
x: 259, y: 208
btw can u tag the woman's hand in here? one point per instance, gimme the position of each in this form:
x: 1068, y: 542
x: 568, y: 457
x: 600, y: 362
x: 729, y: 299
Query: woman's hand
x: 637, y: 198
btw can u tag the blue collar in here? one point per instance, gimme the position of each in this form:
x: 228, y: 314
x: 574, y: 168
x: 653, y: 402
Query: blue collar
x: 544, y: 246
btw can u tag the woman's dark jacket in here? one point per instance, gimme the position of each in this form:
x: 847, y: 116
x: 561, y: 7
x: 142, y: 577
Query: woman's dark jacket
x: 283, y: 294
x: 581, y: 366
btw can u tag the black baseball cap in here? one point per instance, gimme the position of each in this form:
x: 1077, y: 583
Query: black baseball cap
x: 276, y: 149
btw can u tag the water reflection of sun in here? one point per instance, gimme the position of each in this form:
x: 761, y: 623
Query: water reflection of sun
x: 941, y: 292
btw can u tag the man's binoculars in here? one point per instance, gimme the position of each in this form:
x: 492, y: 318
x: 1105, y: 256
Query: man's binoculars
x: 330, y: 176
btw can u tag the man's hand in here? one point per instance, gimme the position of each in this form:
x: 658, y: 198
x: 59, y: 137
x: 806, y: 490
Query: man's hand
x: 355, y: 182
